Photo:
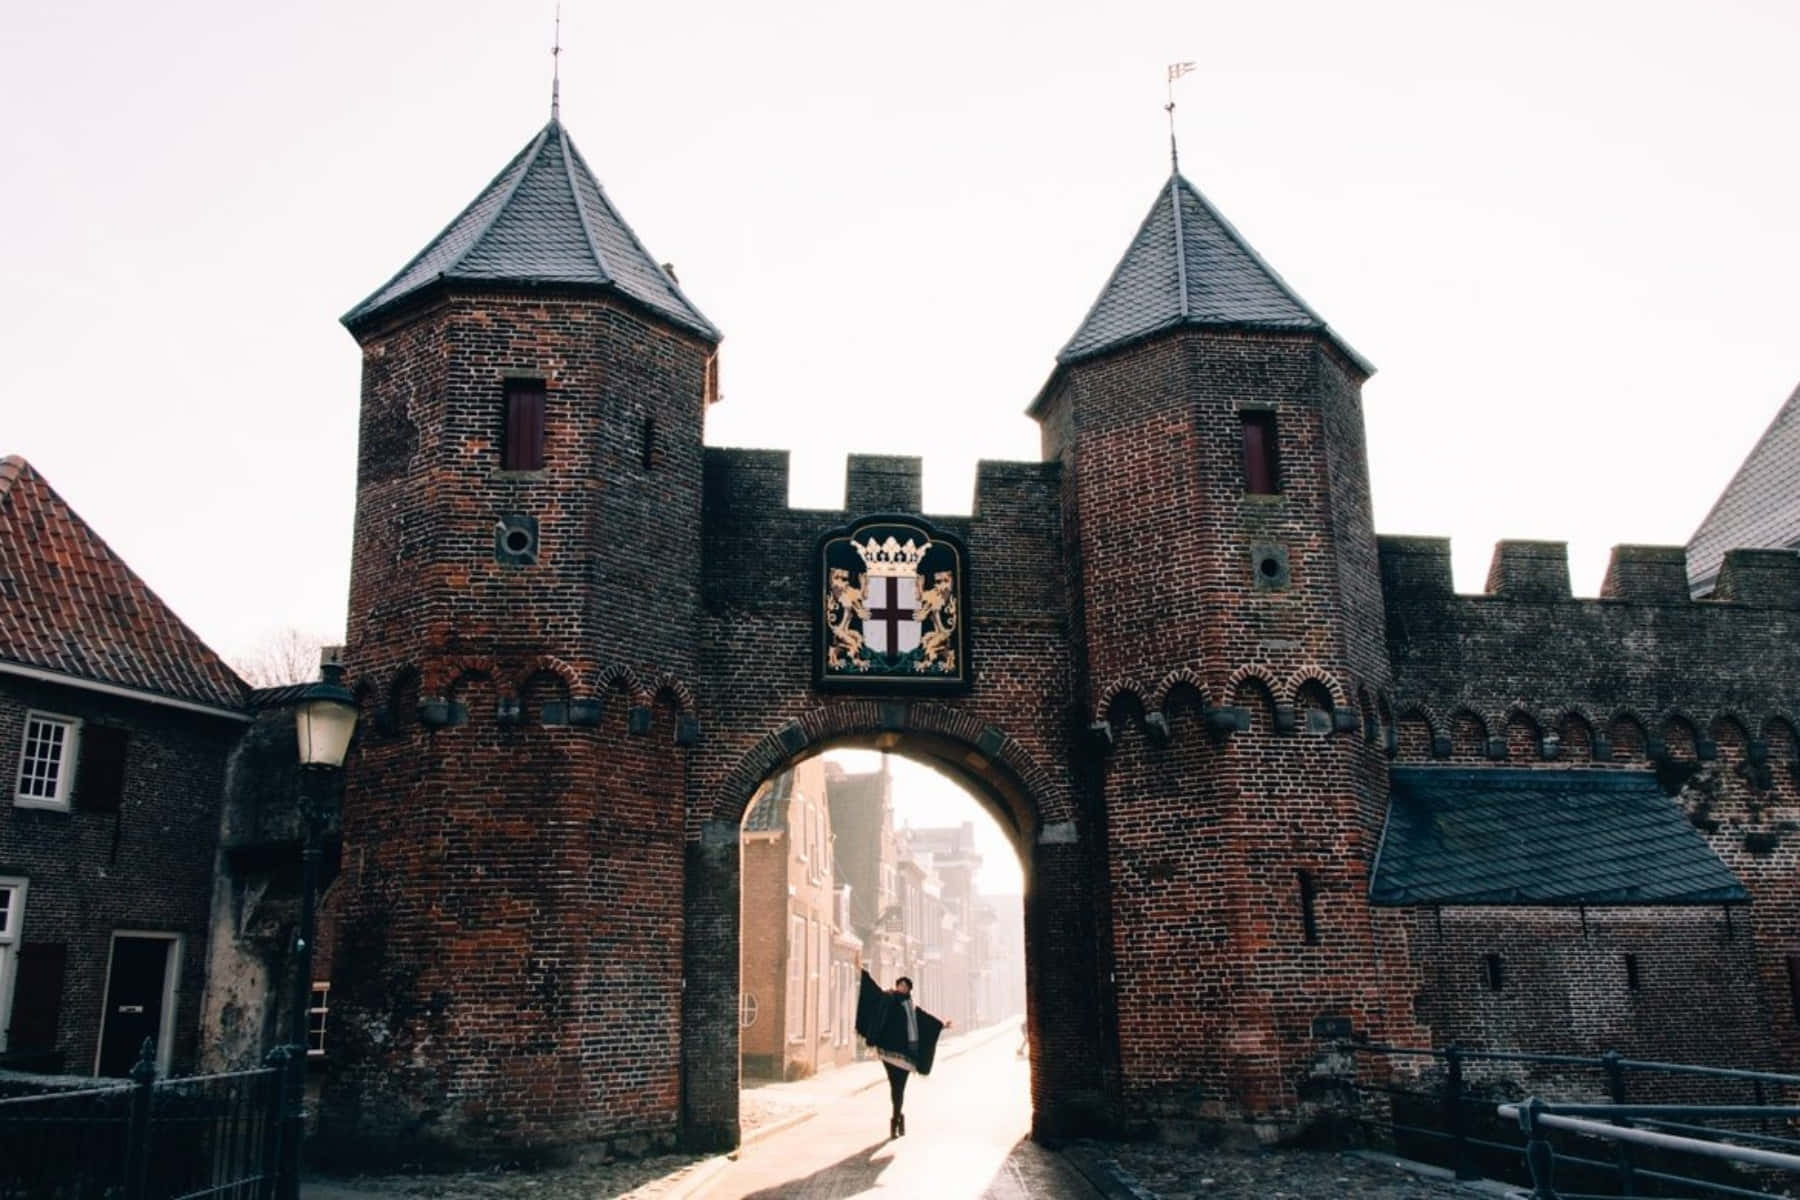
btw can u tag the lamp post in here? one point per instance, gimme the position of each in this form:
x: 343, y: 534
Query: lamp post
x: 323, y: 722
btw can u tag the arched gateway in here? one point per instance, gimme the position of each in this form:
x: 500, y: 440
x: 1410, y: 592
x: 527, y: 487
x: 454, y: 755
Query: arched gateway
x: 586, y: 638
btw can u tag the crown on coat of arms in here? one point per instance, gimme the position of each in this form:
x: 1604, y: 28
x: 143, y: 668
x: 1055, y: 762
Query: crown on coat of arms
x: 891, y: 557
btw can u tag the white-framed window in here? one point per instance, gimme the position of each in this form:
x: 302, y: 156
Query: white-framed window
x: 47, y: 761
x: 318, y: 1008
x: 796, y: 976
x: 747, y: 1010
x: 12, y: 920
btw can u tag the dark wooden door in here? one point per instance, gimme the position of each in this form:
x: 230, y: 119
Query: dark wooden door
x: 134, y: 1001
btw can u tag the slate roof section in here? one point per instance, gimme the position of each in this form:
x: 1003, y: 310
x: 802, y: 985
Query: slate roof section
x: 1543, y: 837
x: 1189, y: 266
x: 1760, y: 508
x: 70, y: 605
x: 543, y: 220
x: 769, y: 813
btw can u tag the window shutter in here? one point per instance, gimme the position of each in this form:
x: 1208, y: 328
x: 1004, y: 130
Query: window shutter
x: 1260, y: 475
x: 100, y: 780
x: 522, y: 448
x: 37, y: 996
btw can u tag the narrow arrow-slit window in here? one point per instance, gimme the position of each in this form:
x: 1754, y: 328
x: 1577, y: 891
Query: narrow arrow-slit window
x: 522, y: 447
x: 1262, y: 465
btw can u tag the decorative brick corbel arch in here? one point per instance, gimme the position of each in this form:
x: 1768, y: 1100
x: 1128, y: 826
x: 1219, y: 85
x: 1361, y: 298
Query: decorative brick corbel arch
x: 440, y: 675
x: 1111, y: 693
x: 1290, y: 689
x: 1180, y: 677
x: 668, y: 684
x: 545, y: 664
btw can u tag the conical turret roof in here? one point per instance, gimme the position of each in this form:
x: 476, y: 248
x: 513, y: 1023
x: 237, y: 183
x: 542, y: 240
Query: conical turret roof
x: 1188, y: 266
x: 543, y: 220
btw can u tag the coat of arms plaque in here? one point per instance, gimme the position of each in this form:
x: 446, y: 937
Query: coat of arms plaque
x: 892, y: 596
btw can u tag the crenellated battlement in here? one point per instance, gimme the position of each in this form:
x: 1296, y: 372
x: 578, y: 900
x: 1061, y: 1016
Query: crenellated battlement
x: 1417, y: 570
x: 756, y: 481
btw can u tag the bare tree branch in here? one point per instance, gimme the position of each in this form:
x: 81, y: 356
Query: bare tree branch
x: 285, y: 656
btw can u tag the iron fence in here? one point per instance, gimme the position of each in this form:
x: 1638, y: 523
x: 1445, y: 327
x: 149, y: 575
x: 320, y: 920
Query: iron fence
x: 1615, y: 1127
x: 202, y: 1137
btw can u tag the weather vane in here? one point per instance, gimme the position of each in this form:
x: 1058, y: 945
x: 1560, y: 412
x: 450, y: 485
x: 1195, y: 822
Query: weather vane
x: 1176, y: 71
x: 556, y: 70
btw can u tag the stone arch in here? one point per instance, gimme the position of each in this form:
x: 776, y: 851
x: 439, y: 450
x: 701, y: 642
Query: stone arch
x: 545, y: 664
x: 1110, y: 694
x: 1034, y: 807
x: 1629, y: 735
x: 440, y: 675
x: 1778, y: 732
x: 1313, y: 707
x: 1417, y: 730
x: 400, y: 699
x: 1524, y: 734
x: 679, y: 693
x: 973, y: 751
x: 1290, y: 689
x: 1731, y: 727
x: 618, y: 677
x: 1181, y: 679
x: 1254, y: 688
x: 1680, y: 734
x: 1575, y: 732
x: 1365, y: 710
x: 1468, y: 730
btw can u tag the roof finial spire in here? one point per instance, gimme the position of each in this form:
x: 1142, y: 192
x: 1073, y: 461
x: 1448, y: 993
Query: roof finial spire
x: 556, y: 69
x: 1176, y: 71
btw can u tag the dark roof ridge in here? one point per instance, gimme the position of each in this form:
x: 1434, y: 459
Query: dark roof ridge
x: 674, y: 285
x: 587, y: 230
x: 1243, y: 244
x: 522, y: 160
x: 530, y: 157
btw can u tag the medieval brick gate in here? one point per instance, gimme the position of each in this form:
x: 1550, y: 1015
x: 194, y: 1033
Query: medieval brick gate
x: 1172, y: 656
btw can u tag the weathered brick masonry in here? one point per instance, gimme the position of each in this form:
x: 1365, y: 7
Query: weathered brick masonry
x: 146, y: 866
x: 1186, y: 694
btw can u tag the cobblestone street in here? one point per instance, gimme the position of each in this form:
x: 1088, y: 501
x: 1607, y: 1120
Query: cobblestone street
x: 826, y: 1137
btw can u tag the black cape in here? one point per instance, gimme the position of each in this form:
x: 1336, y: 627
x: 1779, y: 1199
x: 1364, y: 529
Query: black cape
x: 881, y: 1023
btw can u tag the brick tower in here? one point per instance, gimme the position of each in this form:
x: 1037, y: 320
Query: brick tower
x: 1227, y: 616
x: 523, y: 617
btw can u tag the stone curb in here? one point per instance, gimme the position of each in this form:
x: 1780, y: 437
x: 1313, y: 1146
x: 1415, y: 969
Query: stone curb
x: 1107, y: 1177
x: 696, y: 1177
x: 771, y: 1129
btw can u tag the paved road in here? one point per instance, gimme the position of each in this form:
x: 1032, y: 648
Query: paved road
x: 966, y: 1136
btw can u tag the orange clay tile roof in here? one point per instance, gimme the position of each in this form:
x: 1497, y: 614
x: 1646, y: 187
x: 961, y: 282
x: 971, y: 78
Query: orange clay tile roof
x: 68, y: 604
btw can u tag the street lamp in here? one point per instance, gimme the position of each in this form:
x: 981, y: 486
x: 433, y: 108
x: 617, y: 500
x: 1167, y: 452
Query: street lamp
x: 324, y: 720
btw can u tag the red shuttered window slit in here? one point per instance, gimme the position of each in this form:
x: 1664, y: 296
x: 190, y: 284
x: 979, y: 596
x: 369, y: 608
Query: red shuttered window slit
x: 1262, y: 471
x: 522, y: 447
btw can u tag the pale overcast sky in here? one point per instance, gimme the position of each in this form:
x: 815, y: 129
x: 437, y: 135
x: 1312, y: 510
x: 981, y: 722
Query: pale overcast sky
x: 1565, y: 233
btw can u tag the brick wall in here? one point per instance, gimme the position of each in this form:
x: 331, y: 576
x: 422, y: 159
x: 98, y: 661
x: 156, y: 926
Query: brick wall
x: 1642, y: 678
x: 146, y: 868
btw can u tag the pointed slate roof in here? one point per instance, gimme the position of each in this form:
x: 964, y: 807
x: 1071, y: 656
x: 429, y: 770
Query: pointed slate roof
x: 1760, y: 508
x: 69, y: 605
x: 1510, y: 835
x: 1188, y: 266
x: 543, y: 220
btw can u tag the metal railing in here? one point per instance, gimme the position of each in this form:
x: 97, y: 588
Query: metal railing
x: 195, y: 1138
x: 1618, y: 1127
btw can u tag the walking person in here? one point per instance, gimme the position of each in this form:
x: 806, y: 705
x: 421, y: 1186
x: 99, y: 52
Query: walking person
x: 903, y: 1035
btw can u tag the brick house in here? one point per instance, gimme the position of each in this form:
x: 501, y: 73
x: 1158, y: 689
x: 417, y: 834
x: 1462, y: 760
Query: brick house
x: 798, y: 966
x: 116, y: 726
